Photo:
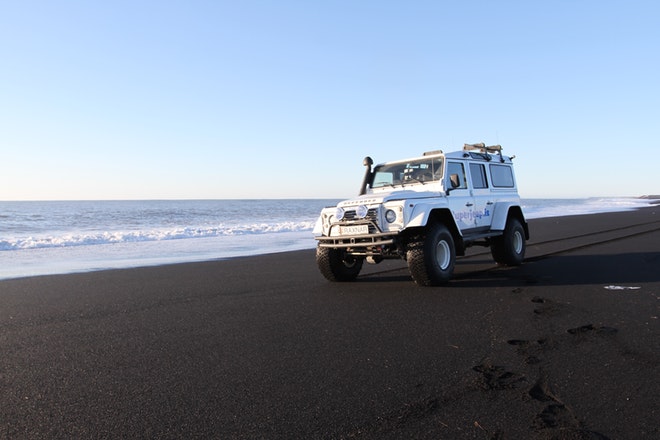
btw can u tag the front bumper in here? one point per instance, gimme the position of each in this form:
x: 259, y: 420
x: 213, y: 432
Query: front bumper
x: 357, y: 241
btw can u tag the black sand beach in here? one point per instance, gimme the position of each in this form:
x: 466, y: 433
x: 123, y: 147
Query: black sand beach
x: 566, y: 346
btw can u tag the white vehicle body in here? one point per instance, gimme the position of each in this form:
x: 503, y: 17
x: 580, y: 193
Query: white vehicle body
x: 470, y: 194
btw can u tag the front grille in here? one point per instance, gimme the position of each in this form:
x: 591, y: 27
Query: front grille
x: 372, y: 218
x: 372, y: 214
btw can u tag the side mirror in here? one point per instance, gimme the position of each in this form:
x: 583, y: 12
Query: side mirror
x: 454, y: 181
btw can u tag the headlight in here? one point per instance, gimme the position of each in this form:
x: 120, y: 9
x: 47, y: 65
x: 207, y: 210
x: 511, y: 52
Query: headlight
x: 390, y: 216
x: 339, y: 214
x: 361, y: 211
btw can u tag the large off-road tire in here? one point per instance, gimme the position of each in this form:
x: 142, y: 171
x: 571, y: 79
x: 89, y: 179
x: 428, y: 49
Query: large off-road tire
x: 431, y: 258
x: 337, y: 265
x: 509, y: 248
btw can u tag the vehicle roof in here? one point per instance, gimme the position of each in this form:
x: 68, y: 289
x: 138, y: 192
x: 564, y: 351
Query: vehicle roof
x: 486, y: 157
x: 461, y: 154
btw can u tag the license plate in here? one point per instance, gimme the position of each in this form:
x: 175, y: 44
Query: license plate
x: 354, y: 230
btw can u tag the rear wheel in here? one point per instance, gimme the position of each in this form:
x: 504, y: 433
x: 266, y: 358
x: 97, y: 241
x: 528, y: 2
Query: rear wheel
x: 337, y: 265
x: 509, y: 248
x: 431, y: 258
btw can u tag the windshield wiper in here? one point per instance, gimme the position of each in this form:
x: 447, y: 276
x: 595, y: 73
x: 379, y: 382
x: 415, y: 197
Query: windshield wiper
x: 415, y: 179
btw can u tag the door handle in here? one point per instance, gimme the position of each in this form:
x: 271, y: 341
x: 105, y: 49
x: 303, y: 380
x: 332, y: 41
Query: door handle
x: 469, y: 204
x: 489, y: 203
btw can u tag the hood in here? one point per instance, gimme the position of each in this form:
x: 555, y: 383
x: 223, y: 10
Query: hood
x: 374, y: 199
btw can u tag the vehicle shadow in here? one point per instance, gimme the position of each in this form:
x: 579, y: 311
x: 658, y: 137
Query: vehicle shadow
x: 618, y: 269
x: 625, y: 268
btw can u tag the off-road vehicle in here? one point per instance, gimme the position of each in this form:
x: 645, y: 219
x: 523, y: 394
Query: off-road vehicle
x: 426, y: 210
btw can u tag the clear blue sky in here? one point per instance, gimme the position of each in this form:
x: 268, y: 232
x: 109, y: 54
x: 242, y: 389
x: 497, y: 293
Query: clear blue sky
x: 260, y: 99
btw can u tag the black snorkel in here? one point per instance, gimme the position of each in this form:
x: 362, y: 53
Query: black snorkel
x: 367, y: 162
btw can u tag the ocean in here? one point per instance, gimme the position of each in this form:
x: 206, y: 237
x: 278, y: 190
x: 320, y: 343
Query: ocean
x: 41, y: 238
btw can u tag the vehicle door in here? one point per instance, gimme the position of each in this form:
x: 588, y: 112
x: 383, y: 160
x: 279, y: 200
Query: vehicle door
x: 483, y: 200
x: 460, y: 199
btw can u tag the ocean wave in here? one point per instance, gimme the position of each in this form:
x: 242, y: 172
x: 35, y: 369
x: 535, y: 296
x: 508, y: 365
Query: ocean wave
x: 113, y: 237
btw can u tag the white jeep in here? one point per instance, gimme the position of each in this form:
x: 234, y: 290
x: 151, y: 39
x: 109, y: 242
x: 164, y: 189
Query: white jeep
x: 426, y: 210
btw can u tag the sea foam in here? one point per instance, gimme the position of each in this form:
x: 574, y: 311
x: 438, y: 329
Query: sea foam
x: 114, y: 237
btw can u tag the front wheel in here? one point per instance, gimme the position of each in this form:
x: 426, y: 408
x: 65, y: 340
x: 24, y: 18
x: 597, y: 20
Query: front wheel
x: 431, y: 259
x: 509, y: 248
x: 337, y: 265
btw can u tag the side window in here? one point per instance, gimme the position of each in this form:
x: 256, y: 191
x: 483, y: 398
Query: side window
x: 478, y: 176
x: 456, y: 174
x: 501, y: 176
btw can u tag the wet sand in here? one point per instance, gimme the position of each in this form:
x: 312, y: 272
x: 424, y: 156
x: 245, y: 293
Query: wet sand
x: 566, y: 346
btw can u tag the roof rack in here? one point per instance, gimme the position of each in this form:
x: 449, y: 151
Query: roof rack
x: 483, y: 148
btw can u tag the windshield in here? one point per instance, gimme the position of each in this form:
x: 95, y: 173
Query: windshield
x: 418, y: 171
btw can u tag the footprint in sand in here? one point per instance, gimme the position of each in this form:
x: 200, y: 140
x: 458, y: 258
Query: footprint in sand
x: 557, y: 416
x: 496, y: 377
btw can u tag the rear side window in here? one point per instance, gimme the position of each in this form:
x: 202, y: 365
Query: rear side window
x: 501, y: 176
x: 478, y: 176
